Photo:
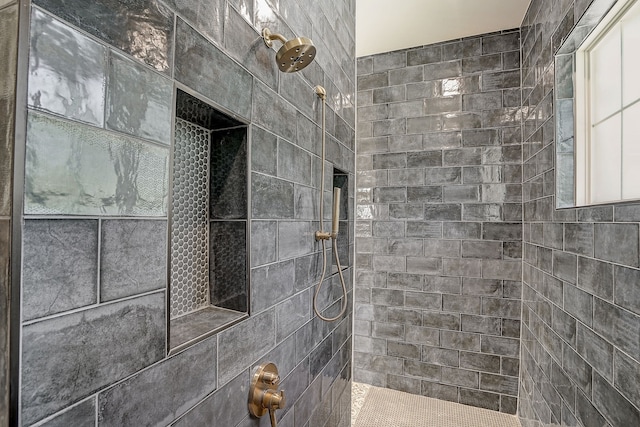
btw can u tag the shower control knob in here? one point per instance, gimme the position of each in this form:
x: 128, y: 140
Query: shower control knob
x: 273, y: 399
x: 270, y: 378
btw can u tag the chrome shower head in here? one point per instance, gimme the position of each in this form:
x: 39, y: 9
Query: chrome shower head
x: 294, y: 55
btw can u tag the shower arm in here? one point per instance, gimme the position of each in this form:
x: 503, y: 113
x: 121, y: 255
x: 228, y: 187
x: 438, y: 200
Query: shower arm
x: 268, y: 37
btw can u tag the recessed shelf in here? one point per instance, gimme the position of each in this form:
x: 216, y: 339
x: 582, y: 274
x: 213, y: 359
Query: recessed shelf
x: 193, y: 327
x: 208, y: 223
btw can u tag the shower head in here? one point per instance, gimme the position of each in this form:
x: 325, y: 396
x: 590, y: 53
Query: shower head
x: 294, y: 55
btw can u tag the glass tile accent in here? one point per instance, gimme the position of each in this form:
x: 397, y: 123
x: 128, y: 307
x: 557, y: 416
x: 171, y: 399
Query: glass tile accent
x: 78, y: 170
x: 66, y: 71
x: 9, y: 54
x: 141, y: 28
x: 139, y: 100
x: 189, y: 228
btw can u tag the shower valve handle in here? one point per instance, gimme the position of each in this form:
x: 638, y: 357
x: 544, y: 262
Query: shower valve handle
x: 270, y: 378
x: 264, y: 395
x: 273, y: 400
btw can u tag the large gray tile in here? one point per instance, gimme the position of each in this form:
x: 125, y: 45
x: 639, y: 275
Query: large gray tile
x: 160, y: 394
x: 206, y: 16
x: 81, y: 415
x: 271, y: 284
x: 612, y: 404
x: 263, y: 242
x: 273, y: 112
x: 618, y: 326
x: 595, y: 350
x: 292, y: 313
x: 627, y: 376
x: 626, y: 288
x: 141, y: 28
x: 133, y: 257
x: 243, y: 344
x: 480, y: 362
x: 501, y: 80
x: 295, y: 239
x: 499, y: 384
x: 578, y: 238
x: 74, y: 169
x: 596, y: 277
x: 227, y: 83
x: 264, y: 151
x: 138, y: 100
x: 500, y: 346
x: 424, y: 55
x: 587, y: 414
x: 579, y: 371
x: 294, y: 164
x: 216, y: 410
x: 578, y: 304
x: 79, y: 348
x: 8, y: 51
x: 617, y: 243
x: 501, y: 43
x: 60, y: 267
x: 244, y: 44
x: 565, y: 266
x: 271, y: 197
x: 66, y: 71
x: 482, y: 63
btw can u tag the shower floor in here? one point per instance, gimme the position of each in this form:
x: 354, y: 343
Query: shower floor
x: 375, y: 406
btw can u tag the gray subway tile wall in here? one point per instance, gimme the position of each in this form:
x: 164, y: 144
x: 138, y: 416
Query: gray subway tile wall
x: 96, y: 198
x: 440, y: 221
x: 580, y: 351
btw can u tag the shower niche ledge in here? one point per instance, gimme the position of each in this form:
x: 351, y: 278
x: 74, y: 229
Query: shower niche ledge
x: 208, y: 223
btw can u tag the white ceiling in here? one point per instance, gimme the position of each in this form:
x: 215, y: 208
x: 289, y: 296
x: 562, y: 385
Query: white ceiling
x: 387, y: 25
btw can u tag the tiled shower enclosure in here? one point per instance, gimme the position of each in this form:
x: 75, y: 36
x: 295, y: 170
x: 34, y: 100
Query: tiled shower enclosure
x: 101, y: 88
x: 440, y: 220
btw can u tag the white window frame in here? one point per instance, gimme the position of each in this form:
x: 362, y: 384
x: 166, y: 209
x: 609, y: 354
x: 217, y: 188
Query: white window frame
x: 583, y: 103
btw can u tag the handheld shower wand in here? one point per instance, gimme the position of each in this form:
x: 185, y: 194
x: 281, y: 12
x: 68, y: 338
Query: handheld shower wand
x: 322, y: 235
x: 336, y: 213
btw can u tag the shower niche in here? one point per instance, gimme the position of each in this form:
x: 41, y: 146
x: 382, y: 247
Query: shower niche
x: 208, y: 223
x: 341, y: 181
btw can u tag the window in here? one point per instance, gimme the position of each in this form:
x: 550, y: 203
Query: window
x: 607, y: 107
